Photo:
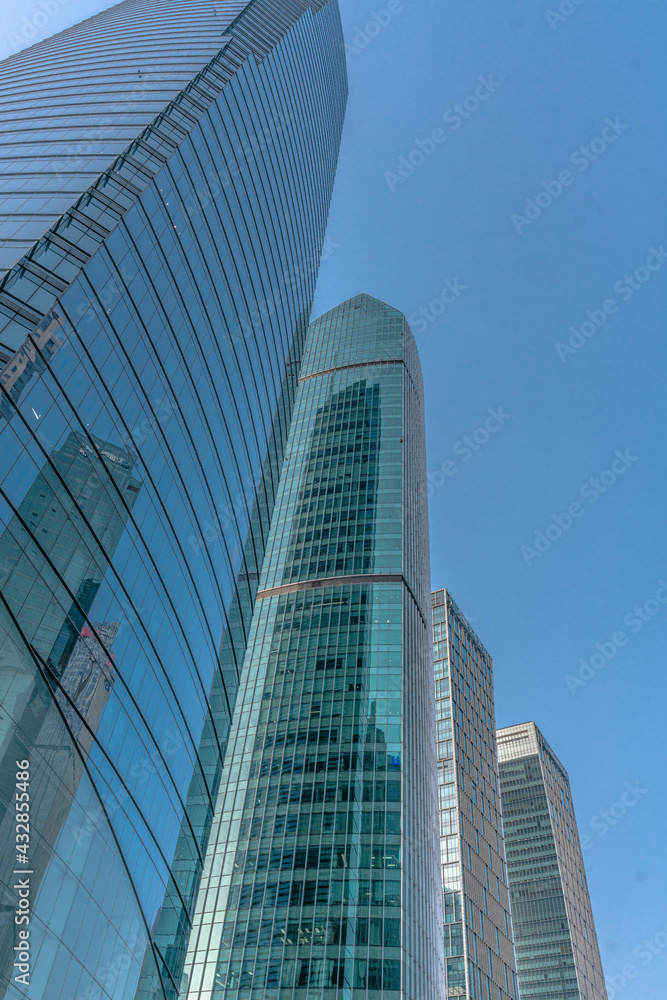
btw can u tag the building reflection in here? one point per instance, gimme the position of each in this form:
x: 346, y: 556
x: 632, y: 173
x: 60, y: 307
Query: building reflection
x: 57, y: 668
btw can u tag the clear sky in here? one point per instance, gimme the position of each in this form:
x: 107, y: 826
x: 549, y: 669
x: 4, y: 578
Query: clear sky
x: 501, y: 181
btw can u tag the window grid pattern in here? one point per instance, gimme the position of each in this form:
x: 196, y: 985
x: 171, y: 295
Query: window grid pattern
x: 479, y: 953
x: 319, y: 879
x: 322, y: 812
x: 72, y: 104
x: 34, y: 282
x: 554, y: 932
x: 154, y: 401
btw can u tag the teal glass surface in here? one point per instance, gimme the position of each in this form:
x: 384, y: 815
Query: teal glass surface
x: 322, y: 874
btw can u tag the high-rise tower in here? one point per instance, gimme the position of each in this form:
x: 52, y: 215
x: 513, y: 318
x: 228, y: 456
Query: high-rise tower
x: 167, y: 173
x: 557, y: 951
x: 321, y: 877
x: 478, y: 934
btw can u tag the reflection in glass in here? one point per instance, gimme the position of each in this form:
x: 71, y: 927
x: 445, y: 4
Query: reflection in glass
x: 54, y: 554
x: 316, y: 879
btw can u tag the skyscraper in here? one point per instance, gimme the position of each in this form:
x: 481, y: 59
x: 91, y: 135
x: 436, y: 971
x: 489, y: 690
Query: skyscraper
x: 95, y: 479
x: 321, y: 877
x: 168, y: 170
x: 478, y: 935
x: 557, y: 952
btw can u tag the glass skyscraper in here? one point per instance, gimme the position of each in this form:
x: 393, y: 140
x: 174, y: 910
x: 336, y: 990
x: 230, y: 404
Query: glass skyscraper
x: 167, y: 171
x: 478, y: 930
x: 321, y: 877
x: 557, y: 951
x: 38, y: 612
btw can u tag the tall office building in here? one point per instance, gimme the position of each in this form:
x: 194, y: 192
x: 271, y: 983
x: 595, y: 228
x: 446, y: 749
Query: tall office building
x: 557, y: 952
x: 478, y: 934
x: 86, y: 478
x: 167, y: 171
x: 322, y: 877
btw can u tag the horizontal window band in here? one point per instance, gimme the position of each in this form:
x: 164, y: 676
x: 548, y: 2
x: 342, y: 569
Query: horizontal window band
x: 339, y: 581
x: 331, y: 581
x: 358, y: 364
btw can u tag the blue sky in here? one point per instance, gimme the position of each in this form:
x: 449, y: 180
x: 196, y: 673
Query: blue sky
x: 502, y: 172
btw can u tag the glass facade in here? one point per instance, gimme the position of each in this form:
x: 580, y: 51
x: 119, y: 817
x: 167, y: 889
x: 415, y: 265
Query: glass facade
x: 151, y: 340
x: 75, y: 102
x: 321, y: 877
x: 479, y: 955
x: 557, y: 952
